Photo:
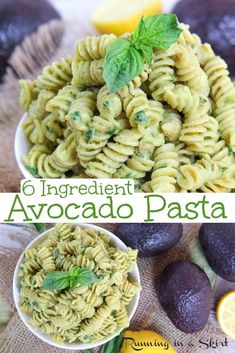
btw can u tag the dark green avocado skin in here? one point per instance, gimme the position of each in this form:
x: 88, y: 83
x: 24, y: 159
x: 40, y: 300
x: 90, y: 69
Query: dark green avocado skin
x: 214, y: 22
x: 185, y: 294
x: 19, y: 18
x: 218, y: 243
x: 150, y: 239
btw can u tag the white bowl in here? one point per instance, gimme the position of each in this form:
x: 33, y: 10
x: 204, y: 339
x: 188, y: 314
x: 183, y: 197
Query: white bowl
x: 22, y: 146
x: 131, y: 308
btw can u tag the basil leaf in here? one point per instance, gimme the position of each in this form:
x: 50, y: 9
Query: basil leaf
x: 33, y: 170
x: 196, y: 255
x: 86, y: 276
x: 162, y: 30
x: 113, y: 346
x: 122, y: 64
x: 223, y: 170
x: 55, y: 281
x: 40, y: 227
x: 139, y: 33
x: 69, y: 279
x: 76, y: 116
x: 125, y: 56
x: 147, y: 52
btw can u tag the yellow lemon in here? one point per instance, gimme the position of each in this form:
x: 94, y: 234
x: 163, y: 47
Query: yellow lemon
x: 145, y: 342
x: 225, y: 313
x: 120, y: 16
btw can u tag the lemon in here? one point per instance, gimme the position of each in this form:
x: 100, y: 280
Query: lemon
x: 120, y: 16
x: 145, y: 342
x: 225, y: 313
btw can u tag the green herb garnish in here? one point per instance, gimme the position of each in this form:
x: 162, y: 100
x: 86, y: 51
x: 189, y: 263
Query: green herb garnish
x: 230, y: 151
x: 202, y: 101
x: 125, y: 57
x: 127, y: 176
x: 112, y: 131
x: 223, y: 170
x: 76, y: 116
x: 162, y: 166
x: 89, y: 135
x: 113, y: 346
x: 141, y: 117
x: 69, y: 279
x: 33, y: 170
x: 106, y: 104
x: 56, y: 253
x: 40, y: 227
x: 207, y: 138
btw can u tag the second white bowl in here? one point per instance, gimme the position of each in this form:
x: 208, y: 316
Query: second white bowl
x: 131, y: 308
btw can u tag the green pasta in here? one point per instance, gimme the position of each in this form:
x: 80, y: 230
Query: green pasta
x: 181, y: 106
x: 84, y: 313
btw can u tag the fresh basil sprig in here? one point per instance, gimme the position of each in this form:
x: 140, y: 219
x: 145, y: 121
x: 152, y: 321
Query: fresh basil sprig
x: 40, y: 227
x: 113, y: 346
x: 125, y: 57
x: 69, y: 279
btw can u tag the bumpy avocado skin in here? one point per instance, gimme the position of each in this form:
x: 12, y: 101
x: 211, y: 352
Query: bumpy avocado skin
x: 214, y: 22
x: 150, y: 239
x: 218, y: 243
x: 19, y: 18
x: 185, y: 294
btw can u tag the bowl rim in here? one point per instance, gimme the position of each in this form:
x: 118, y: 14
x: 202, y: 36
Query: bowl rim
x: 20, y: 140
x: 72, y: 346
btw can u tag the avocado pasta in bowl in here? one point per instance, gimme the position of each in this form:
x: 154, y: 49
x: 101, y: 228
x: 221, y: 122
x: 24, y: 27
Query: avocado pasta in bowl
x: 76, y: 286
x: 171, y: 127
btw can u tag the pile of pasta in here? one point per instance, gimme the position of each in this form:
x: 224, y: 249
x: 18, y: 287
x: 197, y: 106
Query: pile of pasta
x: 171, y: 129
x: 84, y: 313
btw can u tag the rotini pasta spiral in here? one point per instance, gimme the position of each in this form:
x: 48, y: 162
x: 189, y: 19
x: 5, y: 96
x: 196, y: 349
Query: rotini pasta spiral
x: 88, y: 73
x: 95, y: 139
x: 52, y: 128
x: 115, y: 154
x: 34, y: 131
x: 93, y: 48
x: 162, y: 77
x: 188, y: 70
x: 193, y: 177
x: 60, y: 104
x: 225, y: 115
x: 165, y: 168
x: 55, y: 76
x: 222, y: 89
x: 82, y: 110
x: 171, y: 125
x: 199, y: 130
x: 56, y: 164
x: 109, y: 105
x: 141, y: 162
x: 136, y: 106
x: 27, y: 93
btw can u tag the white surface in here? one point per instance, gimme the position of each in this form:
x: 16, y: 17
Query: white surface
x: 131, y: 308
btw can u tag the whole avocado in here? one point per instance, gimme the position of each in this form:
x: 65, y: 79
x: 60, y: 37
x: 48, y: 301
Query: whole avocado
x: 150, y: 238
x: 214, y: 22
x: 19, y: 18
x: 218, y: 243
x: 185, y: 294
